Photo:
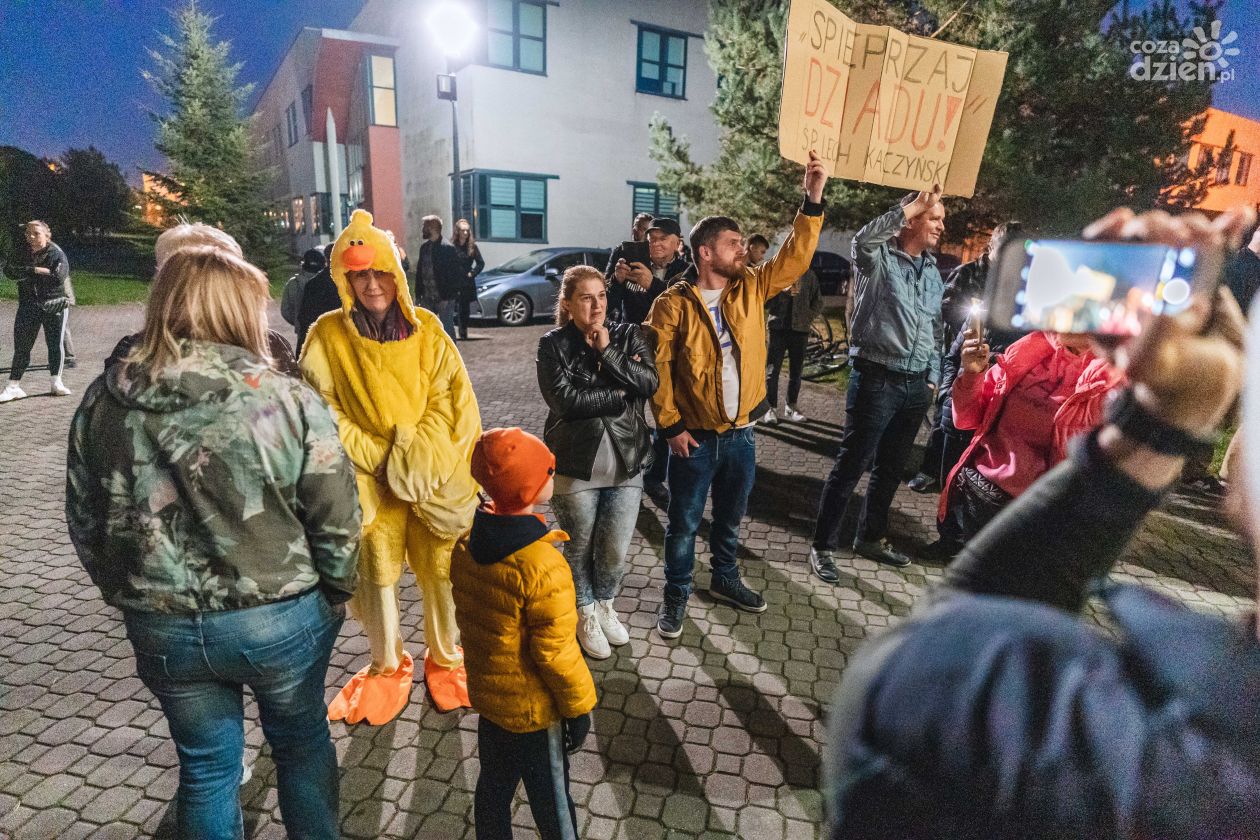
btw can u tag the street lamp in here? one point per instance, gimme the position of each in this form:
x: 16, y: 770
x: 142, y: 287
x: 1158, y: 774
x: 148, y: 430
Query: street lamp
x: 453, y: 30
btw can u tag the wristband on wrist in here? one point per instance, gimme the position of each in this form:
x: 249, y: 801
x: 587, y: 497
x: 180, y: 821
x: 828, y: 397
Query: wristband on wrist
x: 1140, y: 426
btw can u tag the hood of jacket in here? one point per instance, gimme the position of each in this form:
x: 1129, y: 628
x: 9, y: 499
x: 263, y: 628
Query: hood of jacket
x: 368, y: 240
x: 496, y: 537
x: 204, y: 371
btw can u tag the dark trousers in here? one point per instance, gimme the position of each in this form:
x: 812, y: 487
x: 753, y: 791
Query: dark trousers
x: 883, y: 411
x: 26, y: 326
x: 461, y: 314
x: 945, y: 444
x: 793, y: 344
x: 539, y: 760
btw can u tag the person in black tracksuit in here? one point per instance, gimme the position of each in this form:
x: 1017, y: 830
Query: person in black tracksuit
x: 41, y: 277
x: 470, y: 263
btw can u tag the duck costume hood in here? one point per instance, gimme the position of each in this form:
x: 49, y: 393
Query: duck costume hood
x: 408, y: 419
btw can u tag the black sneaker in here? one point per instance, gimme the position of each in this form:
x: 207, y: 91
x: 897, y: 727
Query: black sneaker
x: 824, y: 565
x: 658, y: 493
x: 881, y: 551
x: 669, y: 621
x: 733, y: 592
x: 923, y: 483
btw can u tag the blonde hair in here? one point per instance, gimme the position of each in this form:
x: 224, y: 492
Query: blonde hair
x: 191, y: 235
x: 568, y: 288
x: 468, y: 246
x: 203, y: 293
x: 42, y: 225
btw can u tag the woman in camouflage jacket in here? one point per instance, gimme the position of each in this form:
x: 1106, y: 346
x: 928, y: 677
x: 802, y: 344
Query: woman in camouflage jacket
x: 210, y: 499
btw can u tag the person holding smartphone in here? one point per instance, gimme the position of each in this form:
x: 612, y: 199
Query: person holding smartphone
x: 996, y: 710
x: 1046, y: 389
x: 643, y: 274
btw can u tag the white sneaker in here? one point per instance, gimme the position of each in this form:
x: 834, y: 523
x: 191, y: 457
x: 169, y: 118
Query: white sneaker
x: 591, y: 635
x: 58, y: 388
x: 791, y: 415
x: 614, y: 631
x: 770, y: 418
x: 12, y: 392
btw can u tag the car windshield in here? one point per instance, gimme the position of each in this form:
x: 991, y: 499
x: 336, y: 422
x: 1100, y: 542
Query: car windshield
x: 522, y: 263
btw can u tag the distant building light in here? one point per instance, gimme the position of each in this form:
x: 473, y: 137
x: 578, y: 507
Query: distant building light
x: 446, y: 86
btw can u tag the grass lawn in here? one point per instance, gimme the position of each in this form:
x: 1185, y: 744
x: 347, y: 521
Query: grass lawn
x: 92, y: 287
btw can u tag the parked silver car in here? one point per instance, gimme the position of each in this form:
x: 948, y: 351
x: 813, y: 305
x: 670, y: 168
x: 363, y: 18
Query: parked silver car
x: 527, y: 286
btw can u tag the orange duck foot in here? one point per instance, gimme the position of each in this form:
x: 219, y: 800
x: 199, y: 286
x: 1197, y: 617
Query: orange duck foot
x: 448, y: 687
x: 376, y: 698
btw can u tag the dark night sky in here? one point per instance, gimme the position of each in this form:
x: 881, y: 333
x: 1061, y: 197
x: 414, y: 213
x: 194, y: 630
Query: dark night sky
x: 70, y: 69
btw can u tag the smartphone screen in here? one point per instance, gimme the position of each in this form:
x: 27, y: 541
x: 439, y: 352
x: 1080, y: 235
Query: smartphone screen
x: 1104, y: 288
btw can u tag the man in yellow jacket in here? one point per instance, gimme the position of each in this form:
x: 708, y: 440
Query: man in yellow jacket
x: 408, y: 420
x: 711, y: 356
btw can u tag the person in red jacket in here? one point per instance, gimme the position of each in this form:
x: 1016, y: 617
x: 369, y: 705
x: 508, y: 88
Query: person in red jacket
x: 1044, y: 390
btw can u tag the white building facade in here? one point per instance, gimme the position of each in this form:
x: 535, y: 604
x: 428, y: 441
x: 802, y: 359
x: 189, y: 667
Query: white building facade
x: 554, y: 103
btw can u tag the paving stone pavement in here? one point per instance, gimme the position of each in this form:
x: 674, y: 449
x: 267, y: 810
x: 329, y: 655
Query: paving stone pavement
x: 716, y: 735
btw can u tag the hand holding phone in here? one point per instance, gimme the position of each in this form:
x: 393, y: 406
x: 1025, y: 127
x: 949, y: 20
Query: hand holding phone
x: 975, y: 352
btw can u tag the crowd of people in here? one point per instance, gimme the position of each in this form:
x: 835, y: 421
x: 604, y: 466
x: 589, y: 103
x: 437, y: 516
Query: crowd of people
x: 233, y: 497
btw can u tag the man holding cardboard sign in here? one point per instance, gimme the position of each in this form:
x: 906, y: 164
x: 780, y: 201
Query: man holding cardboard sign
x: 883, y: 106
x: 894, y: 339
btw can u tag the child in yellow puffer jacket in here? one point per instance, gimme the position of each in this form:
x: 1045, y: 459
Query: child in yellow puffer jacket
x: 515, y: 607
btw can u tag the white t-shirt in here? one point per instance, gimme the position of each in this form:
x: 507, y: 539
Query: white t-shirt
x: 730, y: 369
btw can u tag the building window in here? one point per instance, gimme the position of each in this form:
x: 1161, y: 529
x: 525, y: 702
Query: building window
x: 308, y: 105
x: 290, y: 119
x: 299, y: 218
x: 275, y: 142
x: 649, y: 198
x: 1244, y: 169
x: 506, y: 206
x: 1223, y: 163
x: 662, y: 63
x: 516, y: 35
x: 384, y: 96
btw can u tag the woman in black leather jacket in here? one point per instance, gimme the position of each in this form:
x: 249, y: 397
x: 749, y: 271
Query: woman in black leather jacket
x: 596, y: 378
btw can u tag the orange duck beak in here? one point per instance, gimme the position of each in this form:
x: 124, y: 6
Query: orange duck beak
x: 358, y: 257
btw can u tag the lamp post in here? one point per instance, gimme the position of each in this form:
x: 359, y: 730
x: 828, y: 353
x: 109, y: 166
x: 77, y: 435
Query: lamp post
x: 452, y: 28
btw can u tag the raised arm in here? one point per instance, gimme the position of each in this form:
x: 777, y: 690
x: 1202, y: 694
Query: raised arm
x: 793, y: 258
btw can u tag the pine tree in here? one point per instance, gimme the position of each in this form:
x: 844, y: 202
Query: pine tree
x: 1074, y: 135
x: 215, y: 176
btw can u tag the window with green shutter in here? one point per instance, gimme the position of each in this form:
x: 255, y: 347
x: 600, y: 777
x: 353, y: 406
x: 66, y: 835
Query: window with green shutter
x: 505, y: 206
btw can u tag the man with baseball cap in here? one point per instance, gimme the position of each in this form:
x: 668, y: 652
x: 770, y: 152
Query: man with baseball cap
x: 637, y: 285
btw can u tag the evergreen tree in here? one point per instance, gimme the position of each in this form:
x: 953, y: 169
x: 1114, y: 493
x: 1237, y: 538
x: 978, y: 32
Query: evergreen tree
x: 1074, y: 135
x: 93, y: 195
x: 215, y: 176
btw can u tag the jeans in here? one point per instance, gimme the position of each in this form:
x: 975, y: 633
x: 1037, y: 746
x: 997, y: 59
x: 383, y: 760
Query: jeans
x: 600, y: 525
x: 197, y: 664
x: 883, y: 412
x: 446, y: 313
x: 945, y: 444
x: 791, y: 343
x: 537, y: 758
x: 27, y: 323
x: 726, y: 464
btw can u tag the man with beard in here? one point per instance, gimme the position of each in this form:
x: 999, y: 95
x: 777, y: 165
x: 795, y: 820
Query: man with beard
x: 894, y: 340
x: 711, y: 358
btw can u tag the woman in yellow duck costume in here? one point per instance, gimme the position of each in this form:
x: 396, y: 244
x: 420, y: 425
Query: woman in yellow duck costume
x: 409, y: 420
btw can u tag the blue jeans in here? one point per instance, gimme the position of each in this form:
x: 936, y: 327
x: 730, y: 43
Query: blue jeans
x: 196, y: 665
x: 600, y: 525
x: 882, y: 414
x: 726, y: 465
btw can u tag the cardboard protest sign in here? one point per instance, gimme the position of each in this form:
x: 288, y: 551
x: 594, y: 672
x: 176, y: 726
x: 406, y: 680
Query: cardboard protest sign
x: 882, y: 106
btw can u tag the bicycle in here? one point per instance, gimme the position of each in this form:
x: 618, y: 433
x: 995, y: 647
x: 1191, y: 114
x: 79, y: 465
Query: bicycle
x: 825, y: 353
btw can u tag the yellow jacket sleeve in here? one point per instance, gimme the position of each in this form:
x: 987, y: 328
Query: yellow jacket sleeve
x: 792, y: 259
x: 367, y: 451
x: 662, y: 323
x: 428, y: 464
x: 551, y: 622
